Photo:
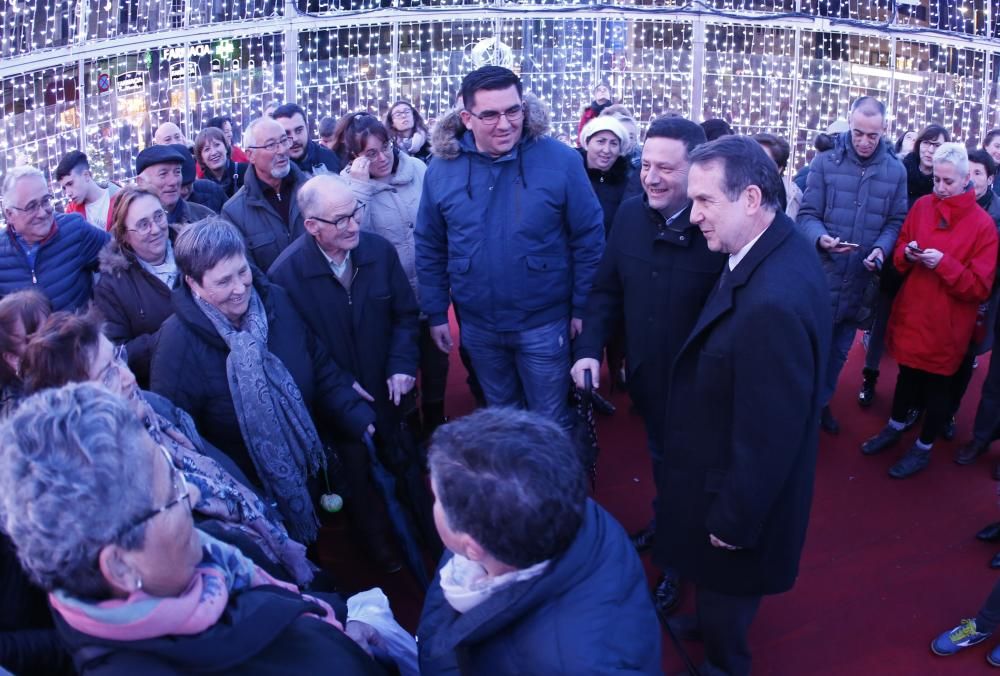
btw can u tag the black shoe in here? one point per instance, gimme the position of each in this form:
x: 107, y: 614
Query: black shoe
x: 867, y: 395
x: 995, y: 561
x: 666, y: 595
x: 889, y: 436
x: 968, y: 453
x: 949, y: 429
x: 915, y: 460
x: 685, y: 627
x: 602, y: 405
x: 990, y: 534
x: 827, y: 422
x: 643, y: 539
x: 912, y: 416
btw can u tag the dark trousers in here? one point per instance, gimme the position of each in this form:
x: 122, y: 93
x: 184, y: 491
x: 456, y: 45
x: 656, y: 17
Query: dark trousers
x: 362, y: 502
x: 988, y: 617
x: 915, y: 388
x: 433, y: 368
x: 987, y: 425
x: 724, y: 621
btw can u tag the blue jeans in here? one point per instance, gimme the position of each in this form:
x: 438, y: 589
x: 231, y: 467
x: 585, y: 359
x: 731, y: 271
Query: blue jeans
x: 840, y: 347
x: 524, y: 369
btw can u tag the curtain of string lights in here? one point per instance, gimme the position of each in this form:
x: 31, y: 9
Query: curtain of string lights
x: 100, y: 75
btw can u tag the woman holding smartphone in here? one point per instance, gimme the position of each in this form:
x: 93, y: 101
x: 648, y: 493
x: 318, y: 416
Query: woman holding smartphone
x: 947, y: 255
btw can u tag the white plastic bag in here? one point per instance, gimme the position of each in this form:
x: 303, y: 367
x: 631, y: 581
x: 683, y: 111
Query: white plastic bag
x: 372, y: 607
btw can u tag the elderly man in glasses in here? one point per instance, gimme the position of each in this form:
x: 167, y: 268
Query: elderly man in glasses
x: 350, y: 288
x: 509, y: 227
x: 57, y: 253
x: 264, y: 209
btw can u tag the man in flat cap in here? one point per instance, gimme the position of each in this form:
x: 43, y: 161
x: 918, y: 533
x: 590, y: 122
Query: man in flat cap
x: 158, y: 169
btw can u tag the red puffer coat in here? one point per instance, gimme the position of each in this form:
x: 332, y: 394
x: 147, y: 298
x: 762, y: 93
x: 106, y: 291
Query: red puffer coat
x: 934, y: 314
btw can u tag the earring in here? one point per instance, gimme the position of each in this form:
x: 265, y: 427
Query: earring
x: 138, y: 584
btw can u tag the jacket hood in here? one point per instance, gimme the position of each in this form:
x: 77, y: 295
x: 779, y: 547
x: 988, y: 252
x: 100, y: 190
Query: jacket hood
x: 447, y: 133
x: 114, y: 259
x: 843, y: 149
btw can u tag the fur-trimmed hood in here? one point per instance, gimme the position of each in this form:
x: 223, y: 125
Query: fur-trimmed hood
x: 113, y: 259
x: 447, y: 133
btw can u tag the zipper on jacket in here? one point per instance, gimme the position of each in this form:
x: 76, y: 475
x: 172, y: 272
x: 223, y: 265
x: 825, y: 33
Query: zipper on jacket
x: 350, y: 296
x: 34, y: 280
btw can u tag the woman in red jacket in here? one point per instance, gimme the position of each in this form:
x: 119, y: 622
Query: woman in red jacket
x: 947, y: 252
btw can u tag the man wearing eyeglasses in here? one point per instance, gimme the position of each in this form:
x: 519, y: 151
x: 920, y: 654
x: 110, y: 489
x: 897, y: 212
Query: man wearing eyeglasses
x: 351, y: 289
x: 509, y: 225
x: 265, y: 209
x: 55, y: 253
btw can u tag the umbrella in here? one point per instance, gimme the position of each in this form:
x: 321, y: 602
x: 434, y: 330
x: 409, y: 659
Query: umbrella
x: 586, y: 427
x: 397, y: 514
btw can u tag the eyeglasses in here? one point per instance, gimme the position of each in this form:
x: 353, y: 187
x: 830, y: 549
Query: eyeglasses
x: 182, y: 493
x: 492, y: 117
x: 43, y: 202
x: 373, y: 154
x: 401, y: 112
x: 143, y: 226
x: 272, y: 146
x: 109, y: 374
x: 342, y: 222
x: 933, y: 145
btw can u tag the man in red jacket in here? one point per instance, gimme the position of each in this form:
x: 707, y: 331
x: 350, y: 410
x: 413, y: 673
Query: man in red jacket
x: 947, y: 253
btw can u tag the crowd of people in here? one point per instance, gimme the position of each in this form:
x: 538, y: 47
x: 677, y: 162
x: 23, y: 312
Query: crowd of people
x: 202, y: 363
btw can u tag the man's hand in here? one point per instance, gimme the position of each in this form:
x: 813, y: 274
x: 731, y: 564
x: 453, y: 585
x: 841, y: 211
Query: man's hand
x: 719, y: 544
x: 441, y: 335
x: 832, y: 244
x: 876, y: 255
x: 575, y: 327
x: 366, y: 636
x: 362, y: 392
x: 371, y: 430
x: 399, y: 384
x: 931, y: 258
x: 582, y: 365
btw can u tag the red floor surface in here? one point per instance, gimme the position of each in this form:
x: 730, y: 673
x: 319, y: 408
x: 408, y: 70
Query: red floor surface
x: 888, y: 564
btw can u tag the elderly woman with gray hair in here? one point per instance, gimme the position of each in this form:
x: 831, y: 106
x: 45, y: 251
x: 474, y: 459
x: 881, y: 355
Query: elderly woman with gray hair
x: 238, y: 357
x: 101, y: 518
x: 72, y: 348
x: 947, y: 255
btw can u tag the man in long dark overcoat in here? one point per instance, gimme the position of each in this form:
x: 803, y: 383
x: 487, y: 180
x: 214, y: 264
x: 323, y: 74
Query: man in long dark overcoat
x: 741, y: 423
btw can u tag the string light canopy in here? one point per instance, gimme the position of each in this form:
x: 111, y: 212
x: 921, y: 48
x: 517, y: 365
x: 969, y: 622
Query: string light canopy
x: 101, y: 75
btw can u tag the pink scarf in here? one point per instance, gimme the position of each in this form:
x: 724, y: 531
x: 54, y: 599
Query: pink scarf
x: 141, y: 616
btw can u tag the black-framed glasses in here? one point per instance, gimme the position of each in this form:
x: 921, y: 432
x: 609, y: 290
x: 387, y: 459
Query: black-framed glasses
x: 182, y: 493
x: 401, y: 112
x: 144, y: 225
x: 344, y: 221
x: 109, y: 374
x: 492, y: 117
x: 43, y: 202
x: 272, y: 146
x: 373, y: 154
x: 933, y: 145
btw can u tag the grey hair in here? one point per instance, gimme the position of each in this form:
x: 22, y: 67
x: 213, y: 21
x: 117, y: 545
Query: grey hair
x: 203, y: 244
x: 11, y: 178
x: 250, y: 133
x: 309, y: 193
x: 71, y: 477
x: 953, y: 153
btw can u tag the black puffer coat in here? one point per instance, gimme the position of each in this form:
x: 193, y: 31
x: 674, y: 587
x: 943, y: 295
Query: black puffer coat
x: 189, y: 369
x: 134, y: 304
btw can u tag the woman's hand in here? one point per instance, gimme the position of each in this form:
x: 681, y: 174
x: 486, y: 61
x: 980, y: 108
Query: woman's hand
x: 366, y: 636
x: 931, y: 258
x: 359, y: 168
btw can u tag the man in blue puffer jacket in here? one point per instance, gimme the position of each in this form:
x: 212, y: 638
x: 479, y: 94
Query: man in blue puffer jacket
x: 57, y: 254
x: 852, y: 209
x: 538, y: 579
x: 509, y: 224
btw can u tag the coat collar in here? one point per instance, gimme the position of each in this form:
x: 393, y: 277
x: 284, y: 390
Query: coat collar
x: 255, y: 187
x: 721, y: 300
x: 314, y: 263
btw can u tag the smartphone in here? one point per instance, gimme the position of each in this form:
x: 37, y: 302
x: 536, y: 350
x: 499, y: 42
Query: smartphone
x: 914, y: 249
x: 849, y: 244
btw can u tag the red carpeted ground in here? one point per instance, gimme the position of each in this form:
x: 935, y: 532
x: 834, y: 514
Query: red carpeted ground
x: 888, y: 564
